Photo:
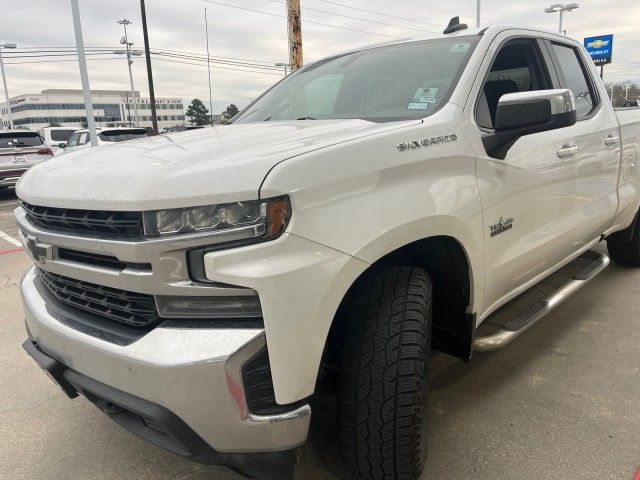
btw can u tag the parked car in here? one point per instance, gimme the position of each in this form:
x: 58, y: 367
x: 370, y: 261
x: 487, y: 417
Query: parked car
x: 442, y: 193
x: 55, y: 137
x: 632, y: 103
x: 19, y: 151
x: 106, y: 136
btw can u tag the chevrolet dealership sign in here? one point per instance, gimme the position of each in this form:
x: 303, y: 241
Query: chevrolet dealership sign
x: 600, y: 48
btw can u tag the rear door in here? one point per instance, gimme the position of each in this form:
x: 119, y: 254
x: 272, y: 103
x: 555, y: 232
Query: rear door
x: 530, y: 212
x: 597, y: 138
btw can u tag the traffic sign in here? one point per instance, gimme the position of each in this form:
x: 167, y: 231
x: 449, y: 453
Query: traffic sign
x: 600, y: 48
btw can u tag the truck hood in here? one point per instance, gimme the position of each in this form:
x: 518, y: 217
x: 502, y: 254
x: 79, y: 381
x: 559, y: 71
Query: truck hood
x: 192, y: 168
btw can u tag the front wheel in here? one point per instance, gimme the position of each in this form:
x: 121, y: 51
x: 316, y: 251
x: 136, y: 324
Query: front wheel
x: 382, y: 415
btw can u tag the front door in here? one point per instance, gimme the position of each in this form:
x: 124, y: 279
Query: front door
x: 531, y: 214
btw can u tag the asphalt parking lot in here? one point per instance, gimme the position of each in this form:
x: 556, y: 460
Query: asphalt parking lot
x: 561, y: 402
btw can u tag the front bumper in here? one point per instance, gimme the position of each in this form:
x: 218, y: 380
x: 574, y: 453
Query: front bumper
x: 192, y: 373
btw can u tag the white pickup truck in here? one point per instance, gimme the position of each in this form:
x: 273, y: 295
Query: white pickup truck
x: 442, y: 193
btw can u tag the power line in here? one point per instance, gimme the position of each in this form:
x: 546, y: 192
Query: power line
x: 201, y: 59
x: 310, y: 9
x: 56, y: 61
x: 379, y: 13
x: 306, y: 21
x: 450, y: 12
x: 220, y: 68
x: 269, y: 63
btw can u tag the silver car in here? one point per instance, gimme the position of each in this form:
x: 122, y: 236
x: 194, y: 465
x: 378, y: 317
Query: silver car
x: 20, y: 150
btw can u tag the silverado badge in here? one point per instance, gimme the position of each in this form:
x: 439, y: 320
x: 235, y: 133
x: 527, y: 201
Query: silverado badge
x: 426, y: 142
x: 501, y: 226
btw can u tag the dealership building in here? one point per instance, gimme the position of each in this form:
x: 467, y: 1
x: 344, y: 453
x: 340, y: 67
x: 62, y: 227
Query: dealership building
x: 110, y: 108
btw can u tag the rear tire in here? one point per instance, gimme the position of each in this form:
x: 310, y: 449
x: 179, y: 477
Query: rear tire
x: 627, y: 253
x: 383, y: 375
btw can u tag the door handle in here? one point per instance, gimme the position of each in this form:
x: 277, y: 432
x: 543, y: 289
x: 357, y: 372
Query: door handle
x: 611, y: 140
x: 567, y: 151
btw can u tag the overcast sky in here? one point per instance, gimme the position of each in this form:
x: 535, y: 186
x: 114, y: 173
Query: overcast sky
x: 237, y: 33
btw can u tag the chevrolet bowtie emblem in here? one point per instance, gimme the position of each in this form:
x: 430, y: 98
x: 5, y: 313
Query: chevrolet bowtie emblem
x: 39, y: 251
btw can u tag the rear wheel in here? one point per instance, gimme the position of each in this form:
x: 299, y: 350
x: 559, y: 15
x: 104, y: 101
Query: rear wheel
x: 626, y: 252
x: 383, y: 375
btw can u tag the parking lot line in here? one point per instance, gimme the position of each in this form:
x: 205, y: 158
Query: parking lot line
x: 13, y: 250
x: 8, y: 238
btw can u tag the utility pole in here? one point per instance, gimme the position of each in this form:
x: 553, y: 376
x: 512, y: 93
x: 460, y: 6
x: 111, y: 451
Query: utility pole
x: 294, y: 24
x: 152, y: 95
x: 206, y: 29
x: 478, y: 13
x: 125, y: 40
x: 627, y: 85
x: 4, y: 81
x: 84, y: 77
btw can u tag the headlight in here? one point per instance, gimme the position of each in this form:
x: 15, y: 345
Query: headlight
x: 251, y: 219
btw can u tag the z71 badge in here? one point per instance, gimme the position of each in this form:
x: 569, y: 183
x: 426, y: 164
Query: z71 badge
x: 501, y: 226
x: 426, y: 142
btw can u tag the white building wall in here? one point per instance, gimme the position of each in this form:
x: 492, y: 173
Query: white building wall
x: 111, y: 108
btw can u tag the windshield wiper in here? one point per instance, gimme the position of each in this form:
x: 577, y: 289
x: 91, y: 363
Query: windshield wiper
x: 306, y: 118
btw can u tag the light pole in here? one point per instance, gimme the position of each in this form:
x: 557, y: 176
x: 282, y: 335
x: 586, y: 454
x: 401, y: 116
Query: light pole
x: 84, y: 76
x: 559, y: 7
x: 478, y: 13
x: 125, y: 41
x: 206, y: 29
x: 4, y: 81
x: 285, y: 66
x: 627, y: 85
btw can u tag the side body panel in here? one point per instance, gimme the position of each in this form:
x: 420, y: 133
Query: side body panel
x: 362, y: 199
x: 629, y: 177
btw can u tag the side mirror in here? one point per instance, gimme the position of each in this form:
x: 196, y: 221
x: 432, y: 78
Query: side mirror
x: 62, y: 145
x: 525, y: 113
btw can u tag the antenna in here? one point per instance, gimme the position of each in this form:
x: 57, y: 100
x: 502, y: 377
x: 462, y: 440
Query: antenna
x: 455, y: 25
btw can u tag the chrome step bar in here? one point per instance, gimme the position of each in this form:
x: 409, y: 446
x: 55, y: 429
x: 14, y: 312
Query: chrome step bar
x: 515, y: 326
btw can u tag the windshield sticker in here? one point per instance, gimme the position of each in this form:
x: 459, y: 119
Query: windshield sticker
x: 425, y: 95
x: 418, y: 106
x: 459, y: 47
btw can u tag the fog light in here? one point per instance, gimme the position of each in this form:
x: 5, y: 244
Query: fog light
x: 241, y: 306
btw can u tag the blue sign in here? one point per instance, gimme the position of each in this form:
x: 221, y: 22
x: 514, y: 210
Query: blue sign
x: 600, y: 48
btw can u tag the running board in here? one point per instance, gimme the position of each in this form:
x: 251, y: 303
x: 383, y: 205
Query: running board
x: 507, y: 323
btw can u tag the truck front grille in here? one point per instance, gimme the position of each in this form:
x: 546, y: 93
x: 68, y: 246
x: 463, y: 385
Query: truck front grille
x: 128, y: 224
x: 130, y: 308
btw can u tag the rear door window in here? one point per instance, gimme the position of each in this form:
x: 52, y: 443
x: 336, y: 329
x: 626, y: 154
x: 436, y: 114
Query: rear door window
x: 60, y: 135
x: 20, y: 139
x: 576, y: 78
x: 123, y: 135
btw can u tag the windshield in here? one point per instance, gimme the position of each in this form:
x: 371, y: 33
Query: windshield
x: 390, y: 83
x: 20, y: 139
x: 121, y: 135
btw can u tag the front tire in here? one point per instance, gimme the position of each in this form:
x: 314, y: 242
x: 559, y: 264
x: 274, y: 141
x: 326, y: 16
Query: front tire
x: 383, y: 375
